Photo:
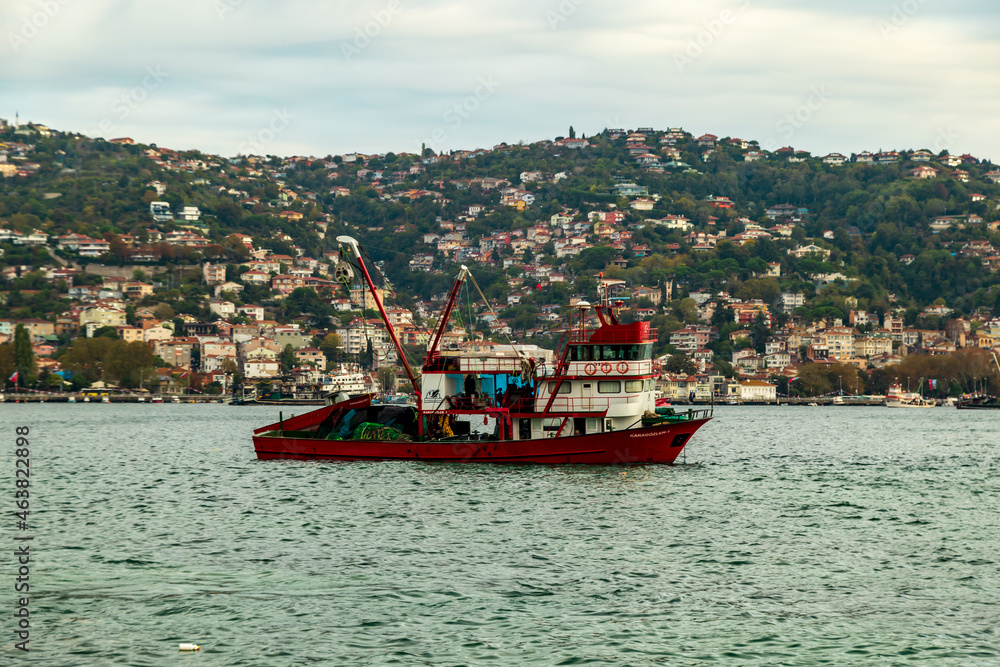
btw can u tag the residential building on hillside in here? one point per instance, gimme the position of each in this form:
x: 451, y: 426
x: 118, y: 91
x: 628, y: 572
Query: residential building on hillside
x: 190, y: 214
x: 692, y: 338
x: 872, y: 346
x: 839, y: 342
x: 213, y: 274
x: 102, y: 317
x: 160, y: 211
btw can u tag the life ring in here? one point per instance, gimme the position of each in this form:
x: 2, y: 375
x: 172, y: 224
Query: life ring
x: 623, y: 367
x: 606, y: 368
x: 590, y: 368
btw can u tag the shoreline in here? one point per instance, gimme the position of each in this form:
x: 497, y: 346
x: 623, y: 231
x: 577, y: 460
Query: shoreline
x: 229, y: 400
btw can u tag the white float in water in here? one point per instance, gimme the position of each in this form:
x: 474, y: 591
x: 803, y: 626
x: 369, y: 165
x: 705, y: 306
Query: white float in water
x: 190, y: 647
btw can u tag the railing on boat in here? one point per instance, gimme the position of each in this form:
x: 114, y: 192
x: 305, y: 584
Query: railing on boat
x: 592, y: 403
x: 490, y: 365
x: 620, y: 335
x: 600, y: 369
x: 560, y: 407
x: 475, y: 404
x: 702, y: 413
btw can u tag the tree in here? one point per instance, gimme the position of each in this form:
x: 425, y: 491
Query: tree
x: 387, y: 379
x: 759, y: 333
x: 757, y: 266
x: 24, y: 355
x: 109, y: 359
x: 331, y: 346
x: 163, y: 312
x: 687, y: 309
x: 125, y: 364
x: 680, y: 364
x: 288, y: 359
x: 723, y: 367
x: 813, y: 380
x: 764, y: 289
x: 7, y: 366
x: 844, y: 377
x: 722, y: 316
x: 368, y: 359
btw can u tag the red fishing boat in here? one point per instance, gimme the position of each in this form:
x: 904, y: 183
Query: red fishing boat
x: 593, y: 403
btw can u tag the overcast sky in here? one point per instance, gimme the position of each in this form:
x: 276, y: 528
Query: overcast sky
x: 335, y: 76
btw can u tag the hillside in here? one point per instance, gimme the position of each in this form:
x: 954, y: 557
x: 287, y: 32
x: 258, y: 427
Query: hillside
x: 703, y: 216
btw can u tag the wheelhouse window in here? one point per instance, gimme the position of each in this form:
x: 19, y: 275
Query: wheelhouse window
x: 565, y: 388
x: 642, y: 352
x: 633, y: 386
x: 609, y: 387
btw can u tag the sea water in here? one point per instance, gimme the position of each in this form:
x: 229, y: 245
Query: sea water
x: 791, y: 536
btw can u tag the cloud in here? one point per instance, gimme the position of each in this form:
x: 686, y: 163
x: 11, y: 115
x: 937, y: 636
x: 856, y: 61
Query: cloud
x: 380, y: 76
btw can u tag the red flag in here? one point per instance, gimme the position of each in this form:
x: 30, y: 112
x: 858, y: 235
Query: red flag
x: 13, y: 378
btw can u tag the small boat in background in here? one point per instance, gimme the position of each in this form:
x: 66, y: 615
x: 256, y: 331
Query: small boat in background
x: 980, y: 400
x: 897, y: 398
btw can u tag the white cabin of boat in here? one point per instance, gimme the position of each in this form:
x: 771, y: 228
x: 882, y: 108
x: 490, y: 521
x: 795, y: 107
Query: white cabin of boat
x: 603, y: 381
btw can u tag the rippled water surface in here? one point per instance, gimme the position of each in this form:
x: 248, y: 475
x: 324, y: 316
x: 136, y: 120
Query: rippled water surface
x: 792, y: 536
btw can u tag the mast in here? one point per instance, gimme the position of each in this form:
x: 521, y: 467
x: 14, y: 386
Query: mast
x: 446, y: 315
x: 353, y: 245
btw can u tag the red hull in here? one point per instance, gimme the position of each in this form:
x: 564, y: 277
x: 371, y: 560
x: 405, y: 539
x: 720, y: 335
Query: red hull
x: 658, y: 444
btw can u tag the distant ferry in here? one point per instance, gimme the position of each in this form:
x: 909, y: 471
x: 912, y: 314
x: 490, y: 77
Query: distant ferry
x: 897, y: 398
x: 347, y: 379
